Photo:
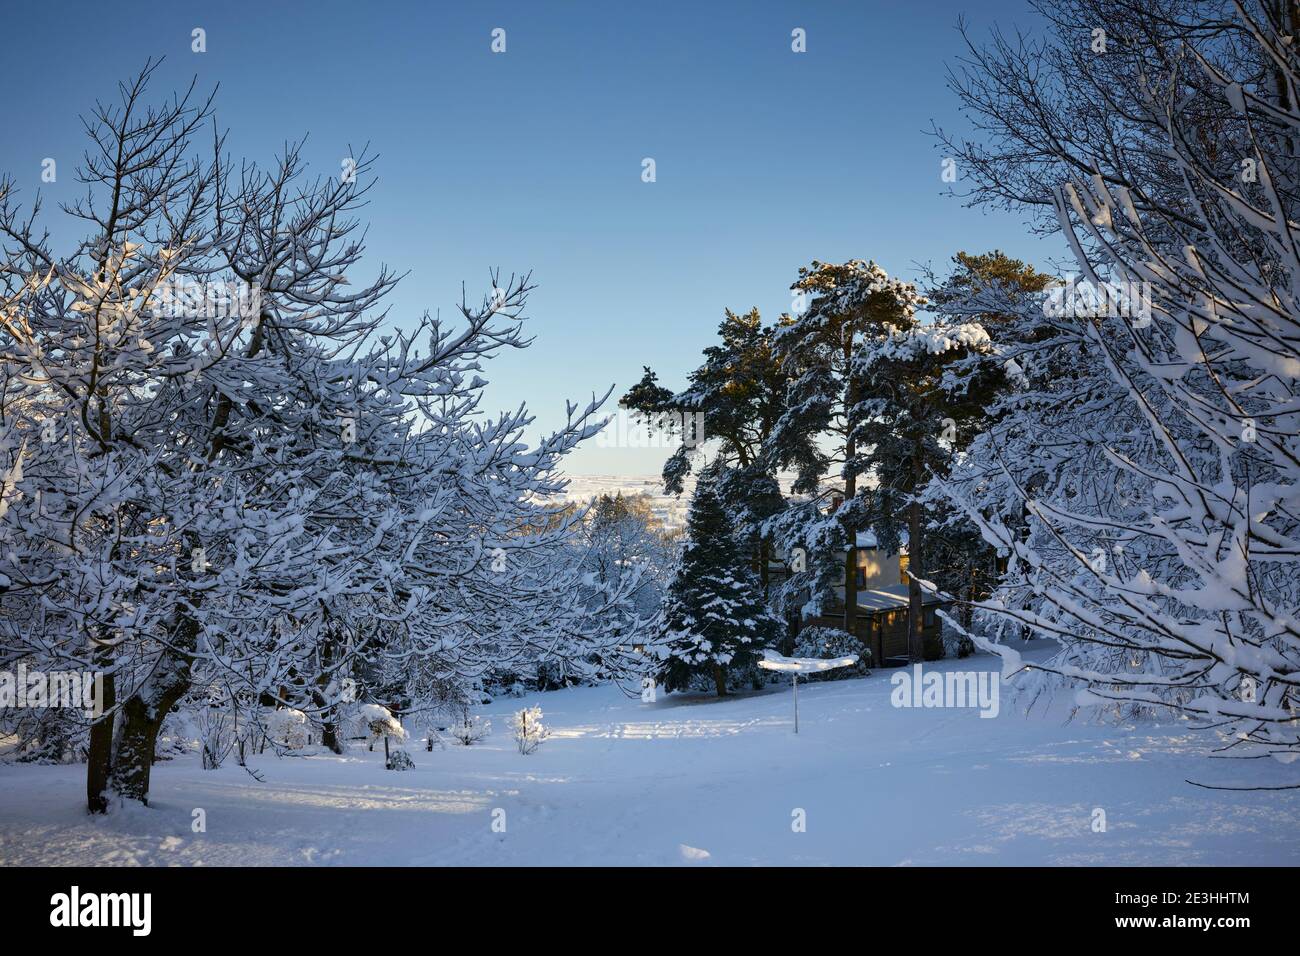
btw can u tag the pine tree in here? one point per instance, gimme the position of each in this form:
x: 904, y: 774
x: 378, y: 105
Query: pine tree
x: 848, y: 306
x: 714, y: 620
x: 735, y: 398
x: 912, y: 413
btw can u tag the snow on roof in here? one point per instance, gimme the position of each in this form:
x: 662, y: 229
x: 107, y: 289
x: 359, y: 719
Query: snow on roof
x: 867, y: 539
x: 890, y: 598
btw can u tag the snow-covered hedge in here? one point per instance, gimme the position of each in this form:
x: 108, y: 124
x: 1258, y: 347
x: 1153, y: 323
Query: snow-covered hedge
x: 828, y: 642
x: 399, y: 759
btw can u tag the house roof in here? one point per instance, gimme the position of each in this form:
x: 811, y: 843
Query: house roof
x: 890, y: 598
x: 865, y: 539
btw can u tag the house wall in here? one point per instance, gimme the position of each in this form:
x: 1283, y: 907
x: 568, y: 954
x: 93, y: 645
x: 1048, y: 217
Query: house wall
x: 885, y: 633
x: 880, y: 569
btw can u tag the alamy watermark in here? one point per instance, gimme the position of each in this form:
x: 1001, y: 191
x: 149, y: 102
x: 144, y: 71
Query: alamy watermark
x: 75, y: 908
x: 74, y: 690
x: 183, y: 298
x: 666, y: 429
x: 947, y: 689
x: 1084, y: 299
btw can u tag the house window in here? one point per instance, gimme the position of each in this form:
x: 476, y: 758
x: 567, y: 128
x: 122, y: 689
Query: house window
x: 929, y: 617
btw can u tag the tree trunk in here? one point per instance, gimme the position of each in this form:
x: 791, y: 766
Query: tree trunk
x: 142, y: 715
x: 720, y: 679
x: 99, y: 758
x: 329, y: 736
x: 136, y: 738
x: 968, y: 612
x: 851, y: 563
x: 915, y: 607
x: 329, y: 727
x: 850, y: 490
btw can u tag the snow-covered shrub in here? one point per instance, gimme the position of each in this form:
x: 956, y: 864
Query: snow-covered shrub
x: 740, y: 677
x: 215, y: 728
x: 399, y: 759
x: 466, y: 727
x: 528, y: 729
x: 288, y: 728
x: 955, y: 643
x: 552, y: 675
x: 380, y: 724
x: 828, y: 642
x: 47, y: 735
x: 470, y: 728
x: 178, y: 735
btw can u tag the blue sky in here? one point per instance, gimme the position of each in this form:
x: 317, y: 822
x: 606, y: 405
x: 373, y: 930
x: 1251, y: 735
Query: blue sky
x: 532, y: 159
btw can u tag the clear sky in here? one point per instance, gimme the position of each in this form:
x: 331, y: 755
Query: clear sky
x: 532, y: 159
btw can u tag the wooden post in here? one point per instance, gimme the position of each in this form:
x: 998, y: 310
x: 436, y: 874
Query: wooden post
x: 796, y: 702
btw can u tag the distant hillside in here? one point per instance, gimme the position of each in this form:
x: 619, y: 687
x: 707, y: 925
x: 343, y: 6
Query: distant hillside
x: 669, y: 509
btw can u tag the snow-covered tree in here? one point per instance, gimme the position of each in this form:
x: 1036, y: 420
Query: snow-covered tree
x: 957, y: 558
x: 844, y: 308
x: 288, y: 728
x: 735, y: 397
x: 715, y: 622
x: 379, y: 724
x: 1144, y: 480
x: 225, y: 474
x: 468, y: 727
x: 621, y: 538
x: 910, y: 412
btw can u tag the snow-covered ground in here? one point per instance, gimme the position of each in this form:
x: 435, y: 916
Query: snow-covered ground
x: 700, y: 781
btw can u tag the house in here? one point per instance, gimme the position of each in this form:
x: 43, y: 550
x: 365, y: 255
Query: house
x: 883, y: 610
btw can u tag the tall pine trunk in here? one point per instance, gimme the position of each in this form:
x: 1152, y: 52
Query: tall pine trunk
x: 720, y: 679
x: 850, y: 490
x: 915, y: 607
